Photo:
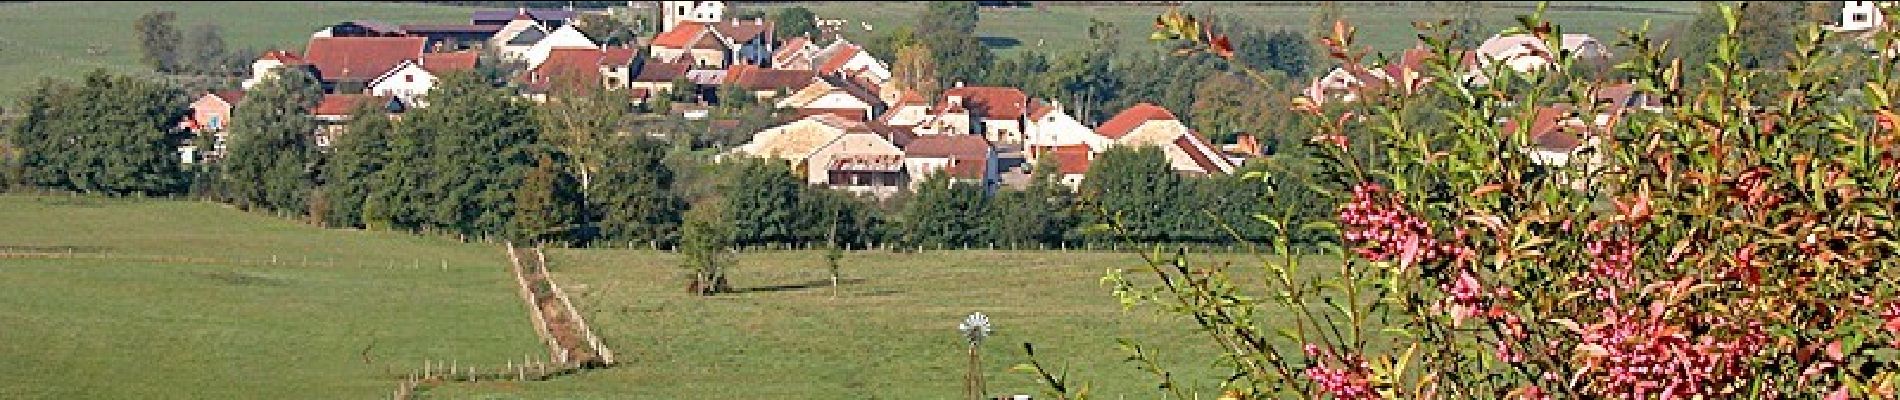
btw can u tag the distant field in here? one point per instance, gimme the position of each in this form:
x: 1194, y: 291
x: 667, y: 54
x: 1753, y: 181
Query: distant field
x: 890, y: 335
x: 151, y: 324
x: 1386, y: 26
x: 66, y: 39
x: 52, y: 39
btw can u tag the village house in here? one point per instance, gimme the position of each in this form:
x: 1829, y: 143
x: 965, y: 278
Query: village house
x: 766, y: 83
x: 716, y: 45
x: 905, y: 109
x: 333, y: 113
x: 656, y: 78
x: 210, y: 114
x: 582, y: 69
x: 1150, y: 125
x: 1526, y: 53
x: 266, y: 66
x: 795, y: 53
x: 834, y: 95
x: 1049, y: 127
x: 1406, y: 73
x: 412, y: 79
x: 450, y: 38
x: 1072, y: 162
x: 810, y: 144
x: 516, y: 37
x: 690, y: 43
x: 547, y: 18
x: 842, y: 56
x: 865, y: 159
x: 347, y: 64
x: 566, y: 37
x: 672, y: 13
x: 995, y: 113
x: 965, y: 158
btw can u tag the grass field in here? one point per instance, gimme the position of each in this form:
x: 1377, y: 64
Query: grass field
x: 67, y: 39
x: 890, y: 335
x: 1384, y: 25
x: 153, y: 325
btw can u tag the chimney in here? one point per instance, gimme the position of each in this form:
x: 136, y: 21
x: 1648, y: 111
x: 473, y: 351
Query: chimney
x: 758, y: 21
x: 958, y: 84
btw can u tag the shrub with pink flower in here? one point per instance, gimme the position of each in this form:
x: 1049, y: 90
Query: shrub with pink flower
x: 1736, y: 237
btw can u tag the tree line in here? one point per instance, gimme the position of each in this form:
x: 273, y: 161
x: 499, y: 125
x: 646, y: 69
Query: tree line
x: 482, y: 163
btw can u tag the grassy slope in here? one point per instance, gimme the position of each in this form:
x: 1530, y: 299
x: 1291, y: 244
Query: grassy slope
x: 50, y: 39
x: 139, y: 329
x: 1385, y: 26
x: 891, y: 335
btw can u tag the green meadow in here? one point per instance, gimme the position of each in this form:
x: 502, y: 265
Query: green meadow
x: 162, y: 299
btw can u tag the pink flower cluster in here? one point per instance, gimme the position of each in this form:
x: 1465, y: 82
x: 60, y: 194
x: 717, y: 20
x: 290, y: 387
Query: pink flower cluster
x: 1610, y: 264
x: 1890, y: 318
x: 1345, y: 377
x: 1639, y: 354
x: 1386, y: 230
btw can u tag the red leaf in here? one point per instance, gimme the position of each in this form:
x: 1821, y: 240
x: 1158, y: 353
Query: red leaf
x: 1222, y: 47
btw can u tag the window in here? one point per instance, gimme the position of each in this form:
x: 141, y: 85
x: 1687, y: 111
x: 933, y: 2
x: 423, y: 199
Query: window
x: 215, y: 120
x: 408, y: 78
x: 1860, y: 17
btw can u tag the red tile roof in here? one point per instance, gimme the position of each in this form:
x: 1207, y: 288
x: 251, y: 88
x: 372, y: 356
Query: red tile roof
x: 1206, y: 157
x: 286, y: 57
x: 1072, y: 159
x: 968, y: 168
x: 958, y: 146
x: 1548, y: 130
x: 341, y: 104
x: 231, y: 97
x: 680, y: 36
x: 361, y: 58
x: 838, y: 59
x: 992, y: 102
x: 1132, y: 118
x: 789, y: 49
x: 654, y: 71
x: 742, y: 31
x: 753, y: 77
x: 440, y: 63
x: 568, y: 62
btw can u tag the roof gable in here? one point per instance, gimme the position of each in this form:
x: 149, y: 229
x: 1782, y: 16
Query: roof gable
x: 361, y: 58
x: 681, y: 36
x: 937, y: 146
x: 993, y: 102
x: 1132, y: 118
x: 440, y: 63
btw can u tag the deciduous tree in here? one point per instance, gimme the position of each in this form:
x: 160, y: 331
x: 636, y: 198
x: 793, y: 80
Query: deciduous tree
x: 158, y: 40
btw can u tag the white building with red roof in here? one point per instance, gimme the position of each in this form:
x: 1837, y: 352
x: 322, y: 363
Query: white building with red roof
x: 412, y: 79
x: 348, y: 64
x: 1150, y: 125
x: 995, y: 113
x: 267, y: 65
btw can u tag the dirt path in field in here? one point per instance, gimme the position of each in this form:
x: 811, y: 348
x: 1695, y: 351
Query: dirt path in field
x: 556, y: 320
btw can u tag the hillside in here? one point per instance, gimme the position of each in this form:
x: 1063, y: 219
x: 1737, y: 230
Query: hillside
x: 173, y: 299
x: 67, y: 39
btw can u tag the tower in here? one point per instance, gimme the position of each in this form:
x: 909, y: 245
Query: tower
x: 1860, y: 16
x: 674, y: 12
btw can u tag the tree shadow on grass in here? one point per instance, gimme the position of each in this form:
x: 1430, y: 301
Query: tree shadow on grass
x: 816, y: 284
x: 999, y: 42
